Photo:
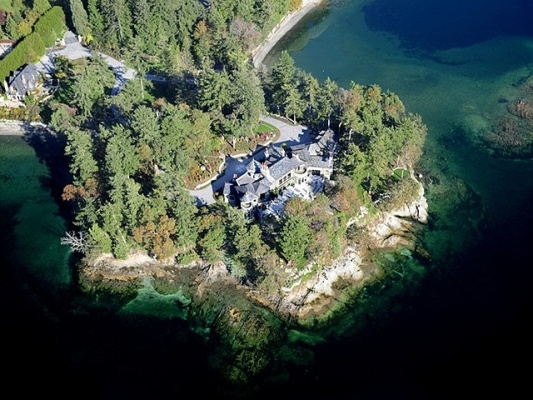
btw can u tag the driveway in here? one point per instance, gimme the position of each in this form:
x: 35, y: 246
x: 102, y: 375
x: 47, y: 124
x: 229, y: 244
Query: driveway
x: 289, y: 134
x: 74, y: 50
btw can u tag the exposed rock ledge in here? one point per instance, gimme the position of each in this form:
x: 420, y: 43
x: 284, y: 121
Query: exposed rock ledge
x: 318, y: 294
x: 305, y: 297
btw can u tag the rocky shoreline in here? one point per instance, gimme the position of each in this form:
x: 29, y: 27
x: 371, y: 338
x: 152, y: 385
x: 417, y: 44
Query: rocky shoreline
x: 310, y: 293
x: 316, y: 296
x: 10, y: 127
x: 248, y: 326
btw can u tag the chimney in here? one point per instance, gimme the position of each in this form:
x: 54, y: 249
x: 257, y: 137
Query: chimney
x: 267, y: 153
x: 265, y: 171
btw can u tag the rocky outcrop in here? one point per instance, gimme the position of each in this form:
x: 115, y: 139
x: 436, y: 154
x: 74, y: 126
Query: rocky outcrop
x: 395, y: 228
x: 313, y: 296
x: 310, y: 292
x: 16, y: 127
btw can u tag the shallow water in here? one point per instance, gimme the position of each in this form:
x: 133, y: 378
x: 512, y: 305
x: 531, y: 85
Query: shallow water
x: 30, y: 215
x: 455, y: 82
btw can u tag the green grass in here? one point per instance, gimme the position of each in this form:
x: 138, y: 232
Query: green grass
x: 6, y: 5
x: 400, y: 173
x: 265, y: 127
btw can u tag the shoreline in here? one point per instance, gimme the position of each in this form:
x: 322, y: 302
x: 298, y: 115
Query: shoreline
x: 284, y: 26
x: 14, y: 127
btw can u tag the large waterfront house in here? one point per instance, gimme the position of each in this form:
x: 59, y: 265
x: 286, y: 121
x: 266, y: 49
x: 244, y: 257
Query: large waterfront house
x: 278, y: 167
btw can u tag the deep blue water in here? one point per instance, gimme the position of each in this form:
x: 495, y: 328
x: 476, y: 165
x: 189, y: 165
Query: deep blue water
x: 432, y: 25
x: 464, y: 332
x: 450, y: 62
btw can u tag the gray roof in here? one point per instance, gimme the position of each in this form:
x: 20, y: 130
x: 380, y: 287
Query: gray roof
x: 253, y: 166
x: 320, y: 162
x: 229, y: 188
x: 246, y: 178
x: 24, y: 81
x: 284, y: 166
x: 256, y: 188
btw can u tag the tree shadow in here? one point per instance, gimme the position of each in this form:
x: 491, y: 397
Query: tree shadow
x: 49, y: 148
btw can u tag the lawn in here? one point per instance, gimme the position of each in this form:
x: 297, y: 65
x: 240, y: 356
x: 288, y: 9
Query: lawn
x: 6, y: 5
x: 400, y: 173
x: 265, y: 127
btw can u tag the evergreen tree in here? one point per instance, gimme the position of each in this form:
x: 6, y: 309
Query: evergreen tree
x: 87, y: 88
x: 80, y: 18
x: 12, y: 21
x: 293, y: 104
x: 282, y: 80
x: 80, y: 149
x: 41, y: 6
x: 96, y: 21
x: 117, y: 20
x: 327, y: 100
x: 309, y: 89
x: 294, y: 237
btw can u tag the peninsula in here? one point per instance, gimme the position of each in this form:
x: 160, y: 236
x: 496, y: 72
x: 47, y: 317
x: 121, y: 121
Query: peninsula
x: 312, y: 196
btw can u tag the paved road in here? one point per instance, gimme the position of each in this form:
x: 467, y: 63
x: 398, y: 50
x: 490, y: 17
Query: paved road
x: 289, y: 133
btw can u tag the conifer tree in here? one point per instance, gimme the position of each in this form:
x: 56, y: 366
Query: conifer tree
x: 80, y: 18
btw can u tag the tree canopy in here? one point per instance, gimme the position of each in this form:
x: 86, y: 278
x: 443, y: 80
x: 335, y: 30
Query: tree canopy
x: 132, y: 155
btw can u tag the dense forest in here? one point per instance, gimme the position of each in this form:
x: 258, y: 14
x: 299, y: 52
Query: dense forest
x: 134, y: 156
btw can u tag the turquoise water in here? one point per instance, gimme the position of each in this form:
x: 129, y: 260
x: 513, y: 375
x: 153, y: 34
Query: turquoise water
x: 452, y: 63
x: 455, y: 88
x: 31, y: 218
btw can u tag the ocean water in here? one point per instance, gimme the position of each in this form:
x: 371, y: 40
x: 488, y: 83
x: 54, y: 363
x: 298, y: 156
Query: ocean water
x: 459, y: 333
x: 451, y: 62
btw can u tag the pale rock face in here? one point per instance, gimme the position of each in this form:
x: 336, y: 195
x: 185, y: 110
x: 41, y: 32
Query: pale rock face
x: 317, y: 293
x: 417, y: 210
x: 391, y: 230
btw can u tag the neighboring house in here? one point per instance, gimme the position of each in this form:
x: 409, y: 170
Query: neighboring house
x: 22, y: 82
x: 280, y: 167
x: 6, y: 45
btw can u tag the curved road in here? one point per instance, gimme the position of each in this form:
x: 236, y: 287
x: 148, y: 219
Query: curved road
x: 289, y: 134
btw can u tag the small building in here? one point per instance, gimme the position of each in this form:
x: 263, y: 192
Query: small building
x: 279, y: 167
x: 22, y: 82
x: 6, y: 45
